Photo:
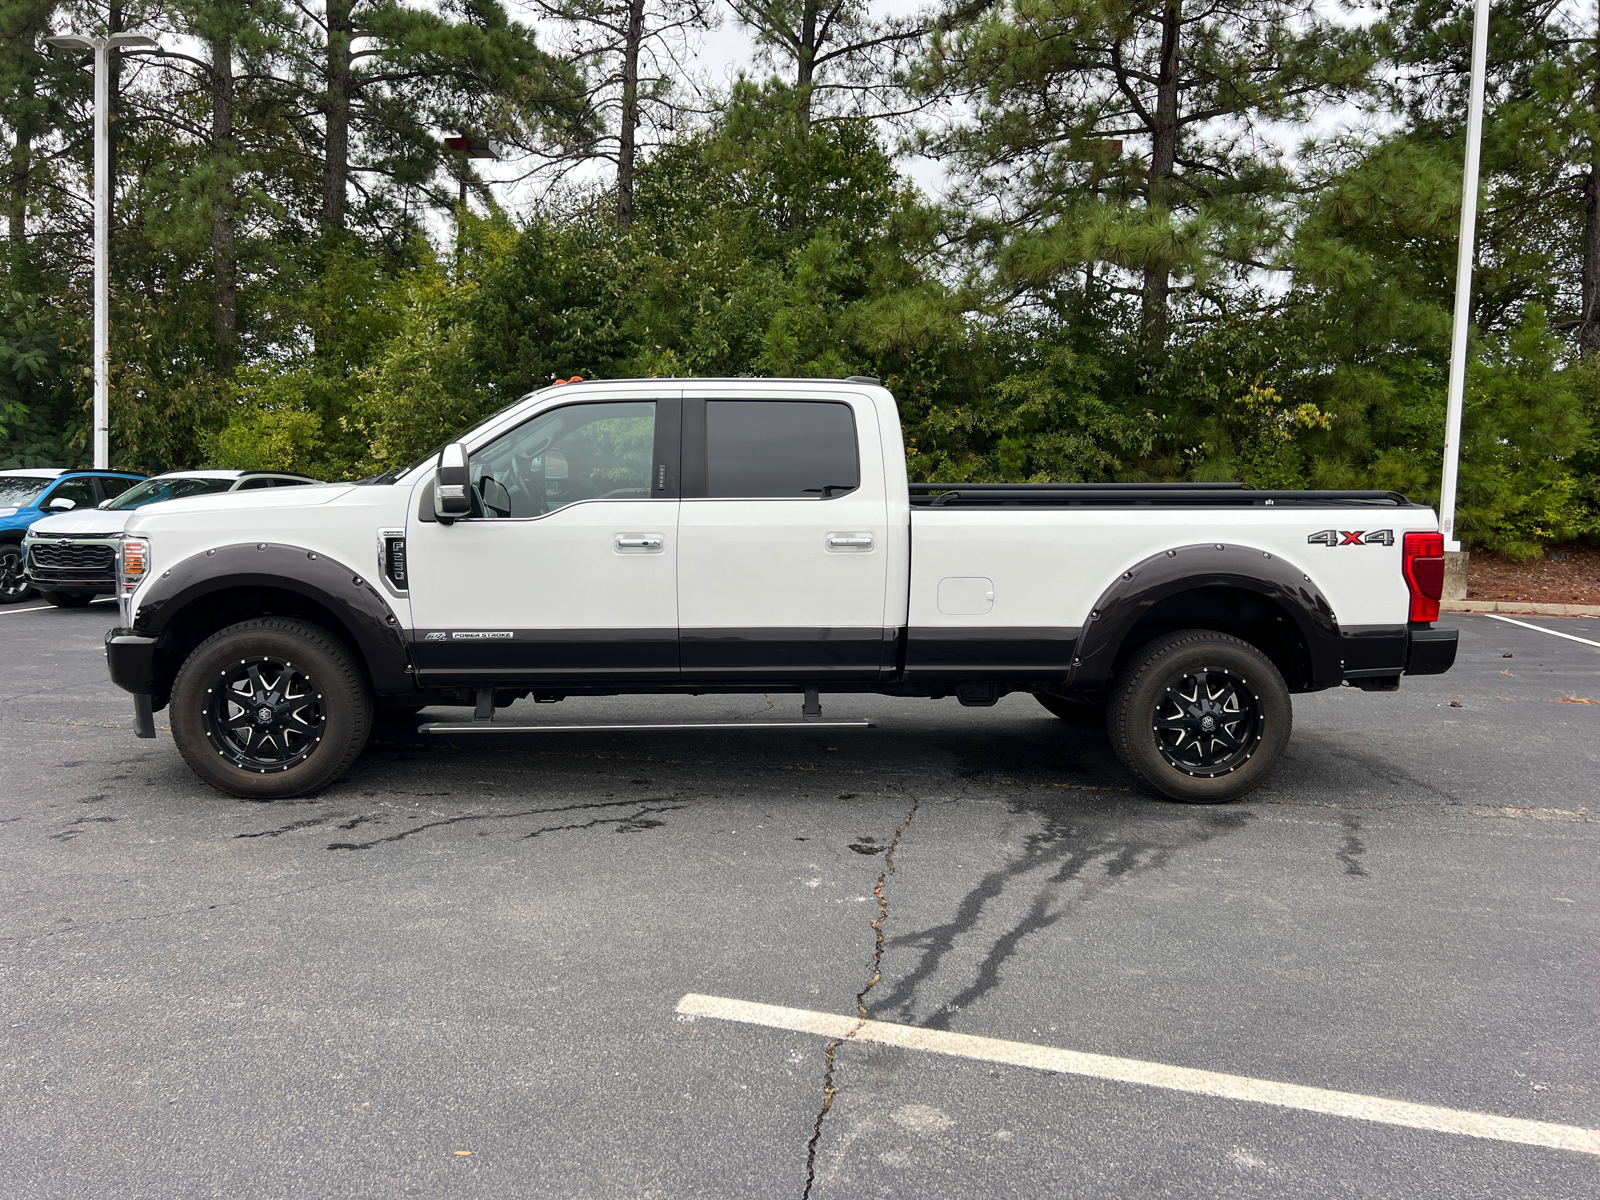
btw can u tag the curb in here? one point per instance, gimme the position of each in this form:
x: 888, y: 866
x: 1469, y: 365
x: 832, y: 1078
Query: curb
x: 1521, y: 606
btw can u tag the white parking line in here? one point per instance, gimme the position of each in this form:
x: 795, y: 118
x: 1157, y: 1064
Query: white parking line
x: 1149, y: 1074
x: 1571, y: 637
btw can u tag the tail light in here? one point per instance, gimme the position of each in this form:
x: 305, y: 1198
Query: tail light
x: 1422, y: 564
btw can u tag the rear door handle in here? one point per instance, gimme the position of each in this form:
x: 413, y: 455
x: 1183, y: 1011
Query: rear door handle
x: 858, y: 542
x: 639, y: 541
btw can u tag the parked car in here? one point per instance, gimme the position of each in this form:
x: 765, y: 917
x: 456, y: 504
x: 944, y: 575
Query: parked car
x: 28, y: 495
x: 759, y: 535
x: 72, y: 558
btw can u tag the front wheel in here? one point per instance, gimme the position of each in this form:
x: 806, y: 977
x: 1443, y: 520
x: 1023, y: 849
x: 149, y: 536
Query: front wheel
x: 14, y: 585
x: 1200, y: 716
x: 271, y: 708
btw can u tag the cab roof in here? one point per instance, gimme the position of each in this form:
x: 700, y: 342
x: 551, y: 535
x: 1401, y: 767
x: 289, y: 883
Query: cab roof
x: 230, y: 473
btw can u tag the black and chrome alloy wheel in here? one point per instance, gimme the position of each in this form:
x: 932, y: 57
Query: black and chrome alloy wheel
x: 1201, y: 716
x: 271, y: 707
x: 264, y: 714
x: 14, y: 585
x: 1208, y: 722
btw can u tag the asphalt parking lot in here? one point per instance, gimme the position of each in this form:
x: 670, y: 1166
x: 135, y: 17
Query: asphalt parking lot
x: 458, y: 973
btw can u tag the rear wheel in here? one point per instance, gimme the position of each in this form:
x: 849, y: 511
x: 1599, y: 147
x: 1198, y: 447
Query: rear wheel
x: 271, y: 708
x: 67, y: 599
x: 14, y: 585
x: 1200, y: 716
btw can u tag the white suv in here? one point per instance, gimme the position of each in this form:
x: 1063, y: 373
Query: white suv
x: 72, y: 558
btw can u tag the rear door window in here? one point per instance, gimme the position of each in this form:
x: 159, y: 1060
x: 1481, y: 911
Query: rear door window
x: 763, y: 449
x: 112, y: 486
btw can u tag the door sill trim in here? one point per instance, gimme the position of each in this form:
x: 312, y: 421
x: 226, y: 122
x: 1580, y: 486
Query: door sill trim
x: 495, y: 727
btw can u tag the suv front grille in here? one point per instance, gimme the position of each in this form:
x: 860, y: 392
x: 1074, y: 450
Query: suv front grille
x: 68, y: 556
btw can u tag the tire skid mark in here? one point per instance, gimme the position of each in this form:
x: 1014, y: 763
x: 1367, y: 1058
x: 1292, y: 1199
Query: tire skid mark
x: 1353, y: 846
x: 1064, y: 844
x: 626, y: 824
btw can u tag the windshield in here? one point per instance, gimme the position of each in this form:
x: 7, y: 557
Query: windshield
x: 21, y: 489
x: 153, y: 491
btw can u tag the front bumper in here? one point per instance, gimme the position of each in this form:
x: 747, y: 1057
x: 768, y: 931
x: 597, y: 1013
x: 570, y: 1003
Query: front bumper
x: 131, y: 659
x: 1431, y: 651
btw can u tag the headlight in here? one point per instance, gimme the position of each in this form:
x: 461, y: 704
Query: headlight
x: 133, y: 568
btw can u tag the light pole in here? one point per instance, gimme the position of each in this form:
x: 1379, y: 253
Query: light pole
x: 465, y: 148
x: 1456, y: 578
x: 102, y: 46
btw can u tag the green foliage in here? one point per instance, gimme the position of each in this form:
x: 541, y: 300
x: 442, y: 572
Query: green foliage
x: 1192, y: 304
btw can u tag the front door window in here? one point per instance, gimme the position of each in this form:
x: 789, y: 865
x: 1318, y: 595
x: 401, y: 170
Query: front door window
x: 579, y: 452
x: 80, y: 491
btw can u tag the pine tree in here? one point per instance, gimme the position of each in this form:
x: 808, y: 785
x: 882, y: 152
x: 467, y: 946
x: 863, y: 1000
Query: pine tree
x: 632, y: 56
x: 1123, y: 141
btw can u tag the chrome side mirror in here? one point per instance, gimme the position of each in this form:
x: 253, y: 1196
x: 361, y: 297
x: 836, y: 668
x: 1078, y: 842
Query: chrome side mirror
x: 62, y: 504
x: 452, y: 497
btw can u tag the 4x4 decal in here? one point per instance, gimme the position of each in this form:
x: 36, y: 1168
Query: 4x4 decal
x: 1357, y: 537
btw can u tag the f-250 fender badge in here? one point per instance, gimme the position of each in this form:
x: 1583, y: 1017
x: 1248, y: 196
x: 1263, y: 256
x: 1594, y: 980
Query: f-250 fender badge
x: 1358, y: 537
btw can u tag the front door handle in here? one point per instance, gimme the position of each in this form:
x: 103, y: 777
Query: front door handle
x: 639, y: 541
x: 858, y: 542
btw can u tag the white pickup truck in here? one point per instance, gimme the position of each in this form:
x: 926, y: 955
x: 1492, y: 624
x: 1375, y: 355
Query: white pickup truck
x: 757, y: 535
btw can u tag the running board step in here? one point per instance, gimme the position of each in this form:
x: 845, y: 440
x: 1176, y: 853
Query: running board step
x: 495, y: 727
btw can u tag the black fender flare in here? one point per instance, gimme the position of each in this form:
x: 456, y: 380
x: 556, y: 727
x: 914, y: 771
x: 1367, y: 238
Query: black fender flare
x: 346, y: 593
x: 1140, y: 588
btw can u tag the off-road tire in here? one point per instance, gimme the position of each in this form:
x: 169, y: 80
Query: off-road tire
x: 1073, y: 712
x: 1155, y: 703
x: 14, y: 585
x: 320, y: 659
x: 66, y: 599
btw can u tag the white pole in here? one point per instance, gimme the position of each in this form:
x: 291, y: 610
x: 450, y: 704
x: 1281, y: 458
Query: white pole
x: 1464, y: 255
x: 102, y: 255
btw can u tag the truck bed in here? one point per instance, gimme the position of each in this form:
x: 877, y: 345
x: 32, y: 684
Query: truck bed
x: 1117, y: 495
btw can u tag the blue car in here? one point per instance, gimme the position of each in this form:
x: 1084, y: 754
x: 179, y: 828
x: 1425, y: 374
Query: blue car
x: 31, y: 493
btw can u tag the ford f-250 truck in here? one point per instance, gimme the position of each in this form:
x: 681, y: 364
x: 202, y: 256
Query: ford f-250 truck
x: 694, y: 536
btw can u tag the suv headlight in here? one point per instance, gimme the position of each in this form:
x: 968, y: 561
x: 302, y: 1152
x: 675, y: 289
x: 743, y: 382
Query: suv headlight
x: 133, y: 568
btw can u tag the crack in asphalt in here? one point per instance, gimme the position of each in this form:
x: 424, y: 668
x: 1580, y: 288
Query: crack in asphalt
x: 830, y: 1051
